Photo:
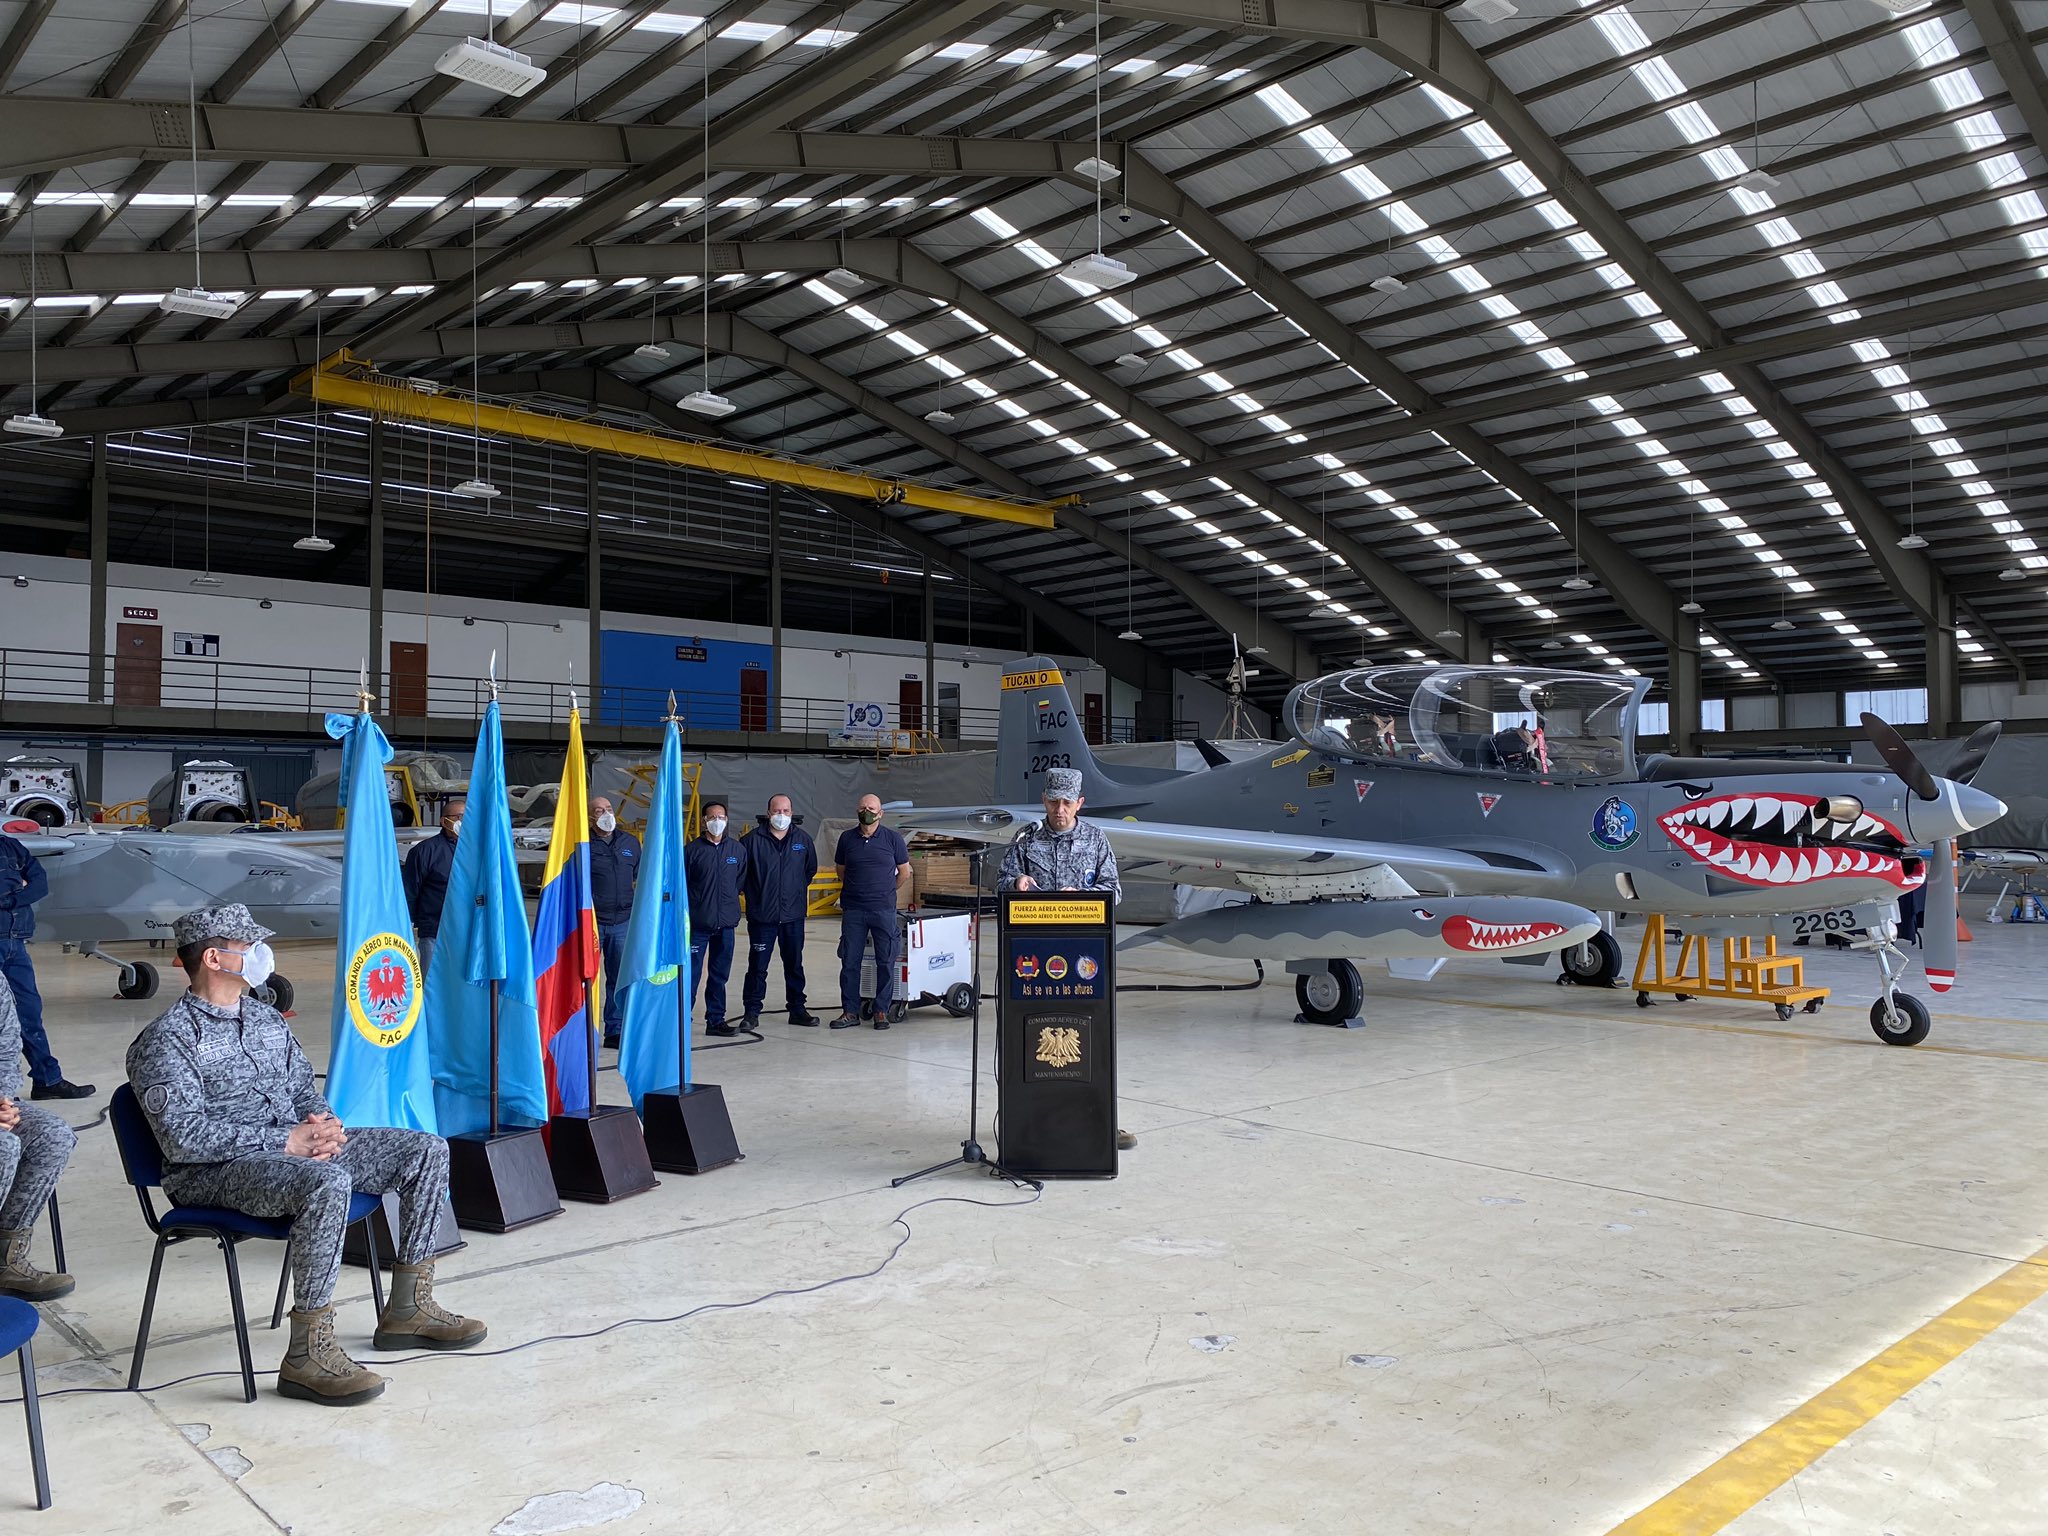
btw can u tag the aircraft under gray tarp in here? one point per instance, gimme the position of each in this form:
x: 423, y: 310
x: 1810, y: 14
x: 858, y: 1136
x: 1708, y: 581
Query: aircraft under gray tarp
x: 1498, y: 810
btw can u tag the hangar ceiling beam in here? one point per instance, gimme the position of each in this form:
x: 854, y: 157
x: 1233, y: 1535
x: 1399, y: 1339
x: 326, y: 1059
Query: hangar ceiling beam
x: 2013, y: 56
x: 1428, y: 45
x: 41, y: 133
x: 1630, y: 583
x: 905, y: 265
x: 910, y: 33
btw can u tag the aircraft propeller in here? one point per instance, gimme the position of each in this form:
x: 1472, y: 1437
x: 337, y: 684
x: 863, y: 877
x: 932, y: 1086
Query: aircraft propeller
x: 1974, y: 751
x: 1898, y: 757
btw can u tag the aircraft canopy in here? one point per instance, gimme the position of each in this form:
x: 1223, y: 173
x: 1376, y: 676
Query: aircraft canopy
x: 1544, y: 724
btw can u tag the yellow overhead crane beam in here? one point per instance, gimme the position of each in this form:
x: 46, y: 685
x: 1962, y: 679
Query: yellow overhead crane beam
x: 345, y: 379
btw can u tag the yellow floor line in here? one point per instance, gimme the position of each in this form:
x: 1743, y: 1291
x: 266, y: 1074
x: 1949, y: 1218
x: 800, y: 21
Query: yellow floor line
x: 1767, y: 1460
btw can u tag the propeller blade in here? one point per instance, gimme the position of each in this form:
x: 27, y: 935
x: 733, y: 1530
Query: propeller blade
x: 1938, y: 931
x: 1975, y: 750
x: 1898, y: 757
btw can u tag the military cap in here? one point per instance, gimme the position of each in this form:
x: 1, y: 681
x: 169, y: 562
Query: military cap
x: 1063, y: 784
x: 228, y: 921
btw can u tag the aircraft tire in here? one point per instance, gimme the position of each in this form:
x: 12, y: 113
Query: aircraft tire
x: 959, y: 999
x: 1909, y: 1026
x: 1330, y: 997
x: 282, y: 993
x: 137, y: 982
x: 1596, y: 963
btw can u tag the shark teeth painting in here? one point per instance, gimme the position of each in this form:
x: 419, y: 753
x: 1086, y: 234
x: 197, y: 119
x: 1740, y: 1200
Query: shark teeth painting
x: 1778, y: 840
x: 1483, y: 938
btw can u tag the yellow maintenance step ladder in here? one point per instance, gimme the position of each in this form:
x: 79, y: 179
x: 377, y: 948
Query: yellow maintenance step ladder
x: 1747, y: 975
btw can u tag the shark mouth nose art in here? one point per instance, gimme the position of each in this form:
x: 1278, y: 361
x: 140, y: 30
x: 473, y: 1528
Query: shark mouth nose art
x: 1772, y: 840
x: 1465, y: 933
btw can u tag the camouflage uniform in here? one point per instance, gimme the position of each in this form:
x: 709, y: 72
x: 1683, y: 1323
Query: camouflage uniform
x: 1076, y: 860
x: 223, y: 1089
x: 33, y: 1154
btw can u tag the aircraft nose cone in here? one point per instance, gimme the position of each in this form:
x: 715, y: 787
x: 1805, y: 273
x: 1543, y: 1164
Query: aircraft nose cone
x: 1959, y: 809
x: 1977, y: 808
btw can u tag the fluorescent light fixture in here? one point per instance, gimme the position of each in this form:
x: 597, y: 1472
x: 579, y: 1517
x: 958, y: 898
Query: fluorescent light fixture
x: 1691, y: 607
x: 490, y: 65
x: 843, y: 278
x: 652, y: 353
x: 939, y: 418
x: 1757, y: 181
x: 478, y: 490
x: 313, y: 544
x: 199, y: 301
x: 29, y: 424
x: 1577, y: 584
x: 1912, y: 541
x: 206, y: 579
x: 1098, y: 271
x: 1387, y: 284
x: 705, y: 403
x: 1097, y: 170
x: 1130, y: 634
x: 1492, y: 12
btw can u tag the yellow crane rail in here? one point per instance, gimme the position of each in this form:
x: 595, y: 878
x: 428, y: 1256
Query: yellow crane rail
x: 345, y: 379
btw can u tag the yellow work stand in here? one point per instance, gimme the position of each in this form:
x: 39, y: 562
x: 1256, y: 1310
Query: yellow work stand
x: 1746, y: 975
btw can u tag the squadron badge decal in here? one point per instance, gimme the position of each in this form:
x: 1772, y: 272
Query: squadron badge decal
x: 383, y: 989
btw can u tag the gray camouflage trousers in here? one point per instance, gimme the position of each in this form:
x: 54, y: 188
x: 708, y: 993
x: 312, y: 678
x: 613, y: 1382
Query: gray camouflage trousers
x: 32, y: 1157
x: 377, y: 1160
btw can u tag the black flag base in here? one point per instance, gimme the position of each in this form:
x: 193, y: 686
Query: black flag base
x: 384, y: 1222
x: 599, y: 1155
x: 501, y: 1183
x: 689, y: 1131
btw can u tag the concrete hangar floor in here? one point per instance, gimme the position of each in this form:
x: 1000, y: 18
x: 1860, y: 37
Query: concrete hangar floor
x: 1514, y: 1258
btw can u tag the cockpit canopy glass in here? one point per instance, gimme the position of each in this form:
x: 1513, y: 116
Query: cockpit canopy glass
x: 1500, y: 719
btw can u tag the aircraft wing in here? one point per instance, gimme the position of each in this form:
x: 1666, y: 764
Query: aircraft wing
x: 1295, y: 863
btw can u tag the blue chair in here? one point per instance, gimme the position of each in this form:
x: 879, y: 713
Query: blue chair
x: 18, y: 1322
x: 143, y: 1162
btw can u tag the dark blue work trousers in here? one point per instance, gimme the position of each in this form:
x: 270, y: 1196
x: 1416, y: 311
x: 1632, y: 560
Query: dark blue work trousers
x: 611, y: 943
x: 710, y: 968
x: 762, y: 942
x: 858, y: 928
x: 28, y: 1002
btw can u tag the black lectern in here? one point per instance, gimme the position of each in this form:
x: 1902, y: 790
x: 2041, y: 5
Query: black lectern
x: 1056, y: 1034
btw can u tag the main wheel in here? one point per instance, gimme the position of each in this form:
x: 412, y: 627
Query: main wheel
x: 137, y: 982
x: 1901, y: 1019
x: 959, y: 999
x: 1595, y: 963
x: 280, y: 992
x: 1332, y: 996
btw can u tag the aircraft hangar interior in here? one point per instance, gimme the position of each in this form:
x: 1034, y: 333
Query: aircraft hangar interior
x: 1144, y: 766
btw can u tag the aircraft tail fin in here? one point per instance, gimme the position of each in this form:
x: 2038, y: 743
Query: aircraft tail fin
x: 1038, y: 729
x: 1212, y: 754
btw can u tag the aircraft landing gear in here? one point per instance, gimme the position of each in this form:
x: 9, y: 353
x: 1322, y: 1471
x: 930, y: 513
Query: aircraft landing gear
x: 1897, y: 1018
x: 279, y: 993
x: 1595, y: 963
x: 138, y: 979
x: 1331, y: 996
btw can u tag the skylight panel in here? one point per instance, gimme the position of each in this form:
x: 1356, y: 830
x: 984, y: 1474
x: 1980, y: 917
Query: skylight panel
x: 753, y: 31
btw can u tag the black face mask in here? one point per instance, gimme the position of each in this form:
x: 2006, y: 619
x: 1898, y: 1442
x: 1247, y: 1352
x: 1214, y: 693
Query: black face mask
x: 869, y: 818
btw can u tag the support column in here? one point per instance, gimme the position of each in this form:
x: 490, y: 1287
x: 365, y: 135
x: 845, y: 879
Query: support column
x: 378, y: 468
x: 96, y: 604
x: 775, y: 606
x: 931, y: 669
x: 1944, y: 684
x: 593, y: 588
x: 1682, y: 662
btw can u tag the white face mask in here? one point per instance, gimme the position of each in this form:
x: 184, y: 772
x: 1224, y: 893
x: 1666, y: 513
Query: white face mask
x: 453, y: 826
x: 715, y: 825
x: 607, y: 822
x: 257, y: 964
x: 779, y: 821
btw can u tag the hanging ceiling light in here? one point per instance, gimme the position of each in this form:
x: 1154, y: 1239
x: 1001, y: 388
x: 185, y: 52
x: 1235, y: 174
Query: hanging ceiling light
x: 1096, y: 269
x: 652, y: 352
x: 197, y: 300
x: 206, y: 579
x: 1130, y: 634
x: 313, y: 544
x: 705, y: 403
x: 1099, y: 271
x: 1129, y: 360
x: 1577, y: 584
x: 476, y: 488
x: 2014, y: 573
x: 939, y: 418
x: 490, y: 65
x: 1912, y: 541
x: 1689, y: 606
x: 28, y: 423
x: 1783, y: 624
x: 1450, y: 632
x: 1388, y: 284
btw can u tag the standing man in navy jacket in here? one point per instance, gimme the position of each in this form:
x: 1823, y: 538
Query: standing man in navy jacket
x: 23, y: 883
x: 614, y: 868
x: 716, y: 866
x: 781, y: 861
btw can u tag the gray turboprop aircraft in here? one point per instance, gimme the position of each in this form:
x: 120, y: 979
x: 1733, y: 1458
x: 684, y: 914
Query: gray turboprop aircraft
x: 1499, y: 810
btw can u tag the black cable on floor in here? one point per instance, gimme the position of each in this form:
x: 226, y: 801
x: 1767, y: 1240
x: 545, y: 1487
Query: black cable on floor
x: 901, y: 1218
x: 1211, y: 986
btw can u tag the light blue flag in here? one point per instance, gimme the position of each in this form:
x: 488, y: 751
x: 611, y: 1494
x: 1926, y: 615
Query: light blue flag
x: 483, y: 939
x: 654, y: 970
x: 378, y: 1071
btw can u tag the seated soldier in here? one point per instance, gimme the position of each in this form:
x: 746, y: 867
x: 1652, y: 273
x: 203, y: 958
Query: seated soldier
x: 232, y: 1100
x: 34, y: 1147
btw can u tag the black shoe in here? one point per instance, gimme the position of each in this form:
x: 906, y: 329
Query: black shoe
x: 805, y: 1020
x: 61, y: 1089
x: 846, y: 1021
x: 725, y: 1030
x: 881, y: 1021
x: 611, y: 1042
x: 751, y: 1023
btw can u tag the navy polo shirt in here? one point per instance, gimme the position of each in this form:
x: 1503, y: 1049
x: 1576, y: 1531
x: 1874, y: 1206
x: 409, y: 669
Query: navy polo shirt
x: 871, y: 864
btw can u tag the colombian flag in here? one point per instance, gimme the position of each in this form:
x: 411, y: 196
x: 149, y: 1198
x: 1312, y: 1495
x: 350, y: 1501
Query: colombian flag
x: 565, y: 948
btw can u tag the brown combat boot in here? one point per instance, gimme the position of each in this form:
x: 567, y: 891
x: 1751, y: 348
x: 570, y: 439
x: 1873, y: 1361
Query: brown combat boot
x: 414, y: 1320
x: 20, y: 1277
x: 317, y: 1369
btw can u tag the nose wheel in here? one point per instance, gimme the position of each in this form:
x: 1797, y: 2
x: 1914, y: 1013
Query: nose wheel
x: 1595, y: 963
x: 1331, y: 996
x: 1896, y: 1018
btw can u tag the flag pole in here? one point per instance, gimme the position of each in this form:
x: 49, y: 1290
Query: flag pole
x: 682, y: 991
x: 494, y: 1054
x: 591, y: 1022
